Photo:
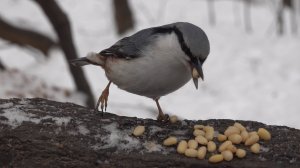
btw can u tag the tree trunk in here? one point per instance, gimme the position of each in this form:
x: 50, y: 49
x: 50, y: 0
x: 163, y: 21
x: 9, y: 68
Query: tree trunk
x: 123, y: 16
x: 247, y: 15
x: 25, y: 37
x: 62, y: 27
x: 2, y: 67
x: 293, y: 13
x: 211, y: 12
x: 280, y: 20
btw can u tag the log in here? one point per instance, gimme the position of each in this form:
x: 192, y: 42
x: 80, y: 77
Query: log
x: 43, y: 133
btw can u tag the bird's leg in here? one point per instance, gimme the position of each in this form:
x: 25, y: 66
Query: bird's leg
x: 103, y: 99
x: 161, y: 116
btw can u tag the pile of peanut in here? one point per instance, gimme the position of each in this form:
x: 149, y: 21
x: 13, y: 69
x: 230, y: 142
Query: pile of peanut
x: 233, y: 136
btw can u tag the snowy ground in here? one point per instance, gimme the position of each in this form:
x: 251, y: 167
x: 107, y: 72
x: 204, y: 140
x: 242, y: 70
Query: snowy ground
x: 247, y: 76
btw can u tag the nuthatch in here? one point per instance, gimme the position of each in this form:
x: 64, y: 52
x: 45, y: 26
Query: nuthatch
x: 153, y: 62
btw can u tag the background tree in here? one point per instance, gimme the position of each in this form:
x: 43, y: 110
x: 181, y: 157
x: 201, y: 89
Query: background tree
x: 123, y: 16
x: 61, y: 25
x: 24, y: 37
x: 1, y: 66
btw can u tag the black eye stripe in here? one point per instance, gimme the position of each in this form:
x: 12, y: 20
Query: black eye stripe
x: 181, y: 41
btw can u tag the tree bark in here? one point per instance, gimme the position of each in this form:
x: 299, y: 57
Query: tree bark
x: 25, y: 37
x: 123, y: 16
x: 43, y: 133
x: 62, y: 27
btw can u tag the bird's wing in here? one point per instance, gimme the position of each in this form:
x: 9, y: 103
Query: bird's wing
x: 130, y: 47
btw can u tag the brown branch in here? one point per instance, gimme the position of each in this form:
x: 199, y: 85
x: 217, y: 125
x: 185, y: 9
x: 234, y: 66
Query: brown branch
x: 25, y: 37
x: 2, y: 67
x: 123, y: 16
x: 61, y: 24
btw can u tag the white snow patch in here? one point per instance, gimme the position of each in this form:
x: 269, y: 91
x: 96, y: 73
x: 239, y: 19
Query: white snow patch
x: 152, y: 146
x: 264, y: 149
x: 6, y: 105
x: 83, y: 130
x: 24, y: 101
x: 154, y: 129
x: 62, y: 120
x: 58, y: 120
x: 16, y: 117
x: 118, y: 138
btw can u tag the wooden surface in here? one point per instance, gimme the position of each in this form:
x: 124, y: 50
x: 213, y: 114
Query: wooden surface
x: 86, y: 139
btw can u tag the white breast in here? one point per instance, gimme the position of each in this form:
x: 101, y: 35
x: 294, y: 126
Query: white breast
x: 163, y: 69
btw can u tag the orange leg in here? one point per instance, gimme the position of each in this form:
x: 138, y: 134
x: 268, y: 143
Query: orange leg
x: 161, y: 116
x: 102, y: 101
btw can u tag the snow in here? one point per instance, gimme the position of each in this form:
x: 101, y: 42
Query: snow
x: 15, y: 83
x: 16, y: 116
x: 6, y: 105
x: 83, y: 130
x: 152, y: 146
x: 117, y: 138
x: 247, y: 76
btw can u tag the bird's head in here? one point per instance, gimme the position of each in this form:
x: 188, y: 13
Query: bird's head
x: 196, y: 45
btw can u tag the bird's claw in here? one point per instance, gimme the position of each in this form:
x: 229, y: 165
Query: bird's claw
x: 163, y: 117
x: 103, y: 100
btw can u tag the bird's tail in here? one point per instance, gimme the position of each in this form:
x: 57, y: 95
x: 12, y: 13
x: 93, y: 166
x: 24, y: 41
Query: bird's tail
x: 91, y: 58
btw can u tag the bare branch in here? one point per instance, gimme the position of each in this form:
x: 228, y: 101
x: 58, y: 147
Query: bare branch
x: 123, y: 16
x: 61, y: 24
x: 25, y: 37
x: 1, y: 66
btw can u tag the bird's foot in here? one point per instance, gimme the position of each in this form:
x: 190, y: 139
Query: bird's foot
x: 163, y: 118
x: 102, y: 101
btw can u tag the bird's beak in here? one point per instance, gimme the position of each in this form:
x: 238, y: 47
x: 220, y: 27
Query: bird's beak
x: 196, y: 73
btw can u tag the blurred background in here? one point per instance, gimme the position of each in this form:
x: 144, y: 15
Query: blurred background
x: 252, y: 72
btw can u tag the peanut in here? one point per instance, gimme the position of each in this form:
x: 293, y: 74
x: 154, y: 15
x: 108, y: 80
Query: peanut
x: 239, y: 126
x: 231, y: 130
x: 193, y: 144
x: 211, y: 146
x: 232, y: 148
x: 221, y: 138
x: 198, y: 132
x: 139, y: 130
x: 170, y: 141
x: 209, y: 133
x: 235, y: 138
x: 227, y: 155
x: 252, y: 140
x: 240, y: 153
x: 182, y: 146
x: 264, y: 134
x: 216, y: 158
x: 173, y: 119
x: 255, y: 148
x: 191, y: 153
x: 197, y: 126
x: 201, y: 140
x: 201, y: 152
x: 224, y: 145
x: 244, y: 135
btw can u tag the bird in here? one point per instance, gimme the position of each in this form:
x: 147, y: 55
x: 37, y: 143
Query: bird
x: 153, y: 62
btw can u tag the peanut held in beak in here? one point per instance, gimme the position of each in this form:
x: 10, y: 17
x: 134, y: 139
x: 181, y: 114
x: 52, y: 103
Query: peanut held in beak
x: 195, y: 73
